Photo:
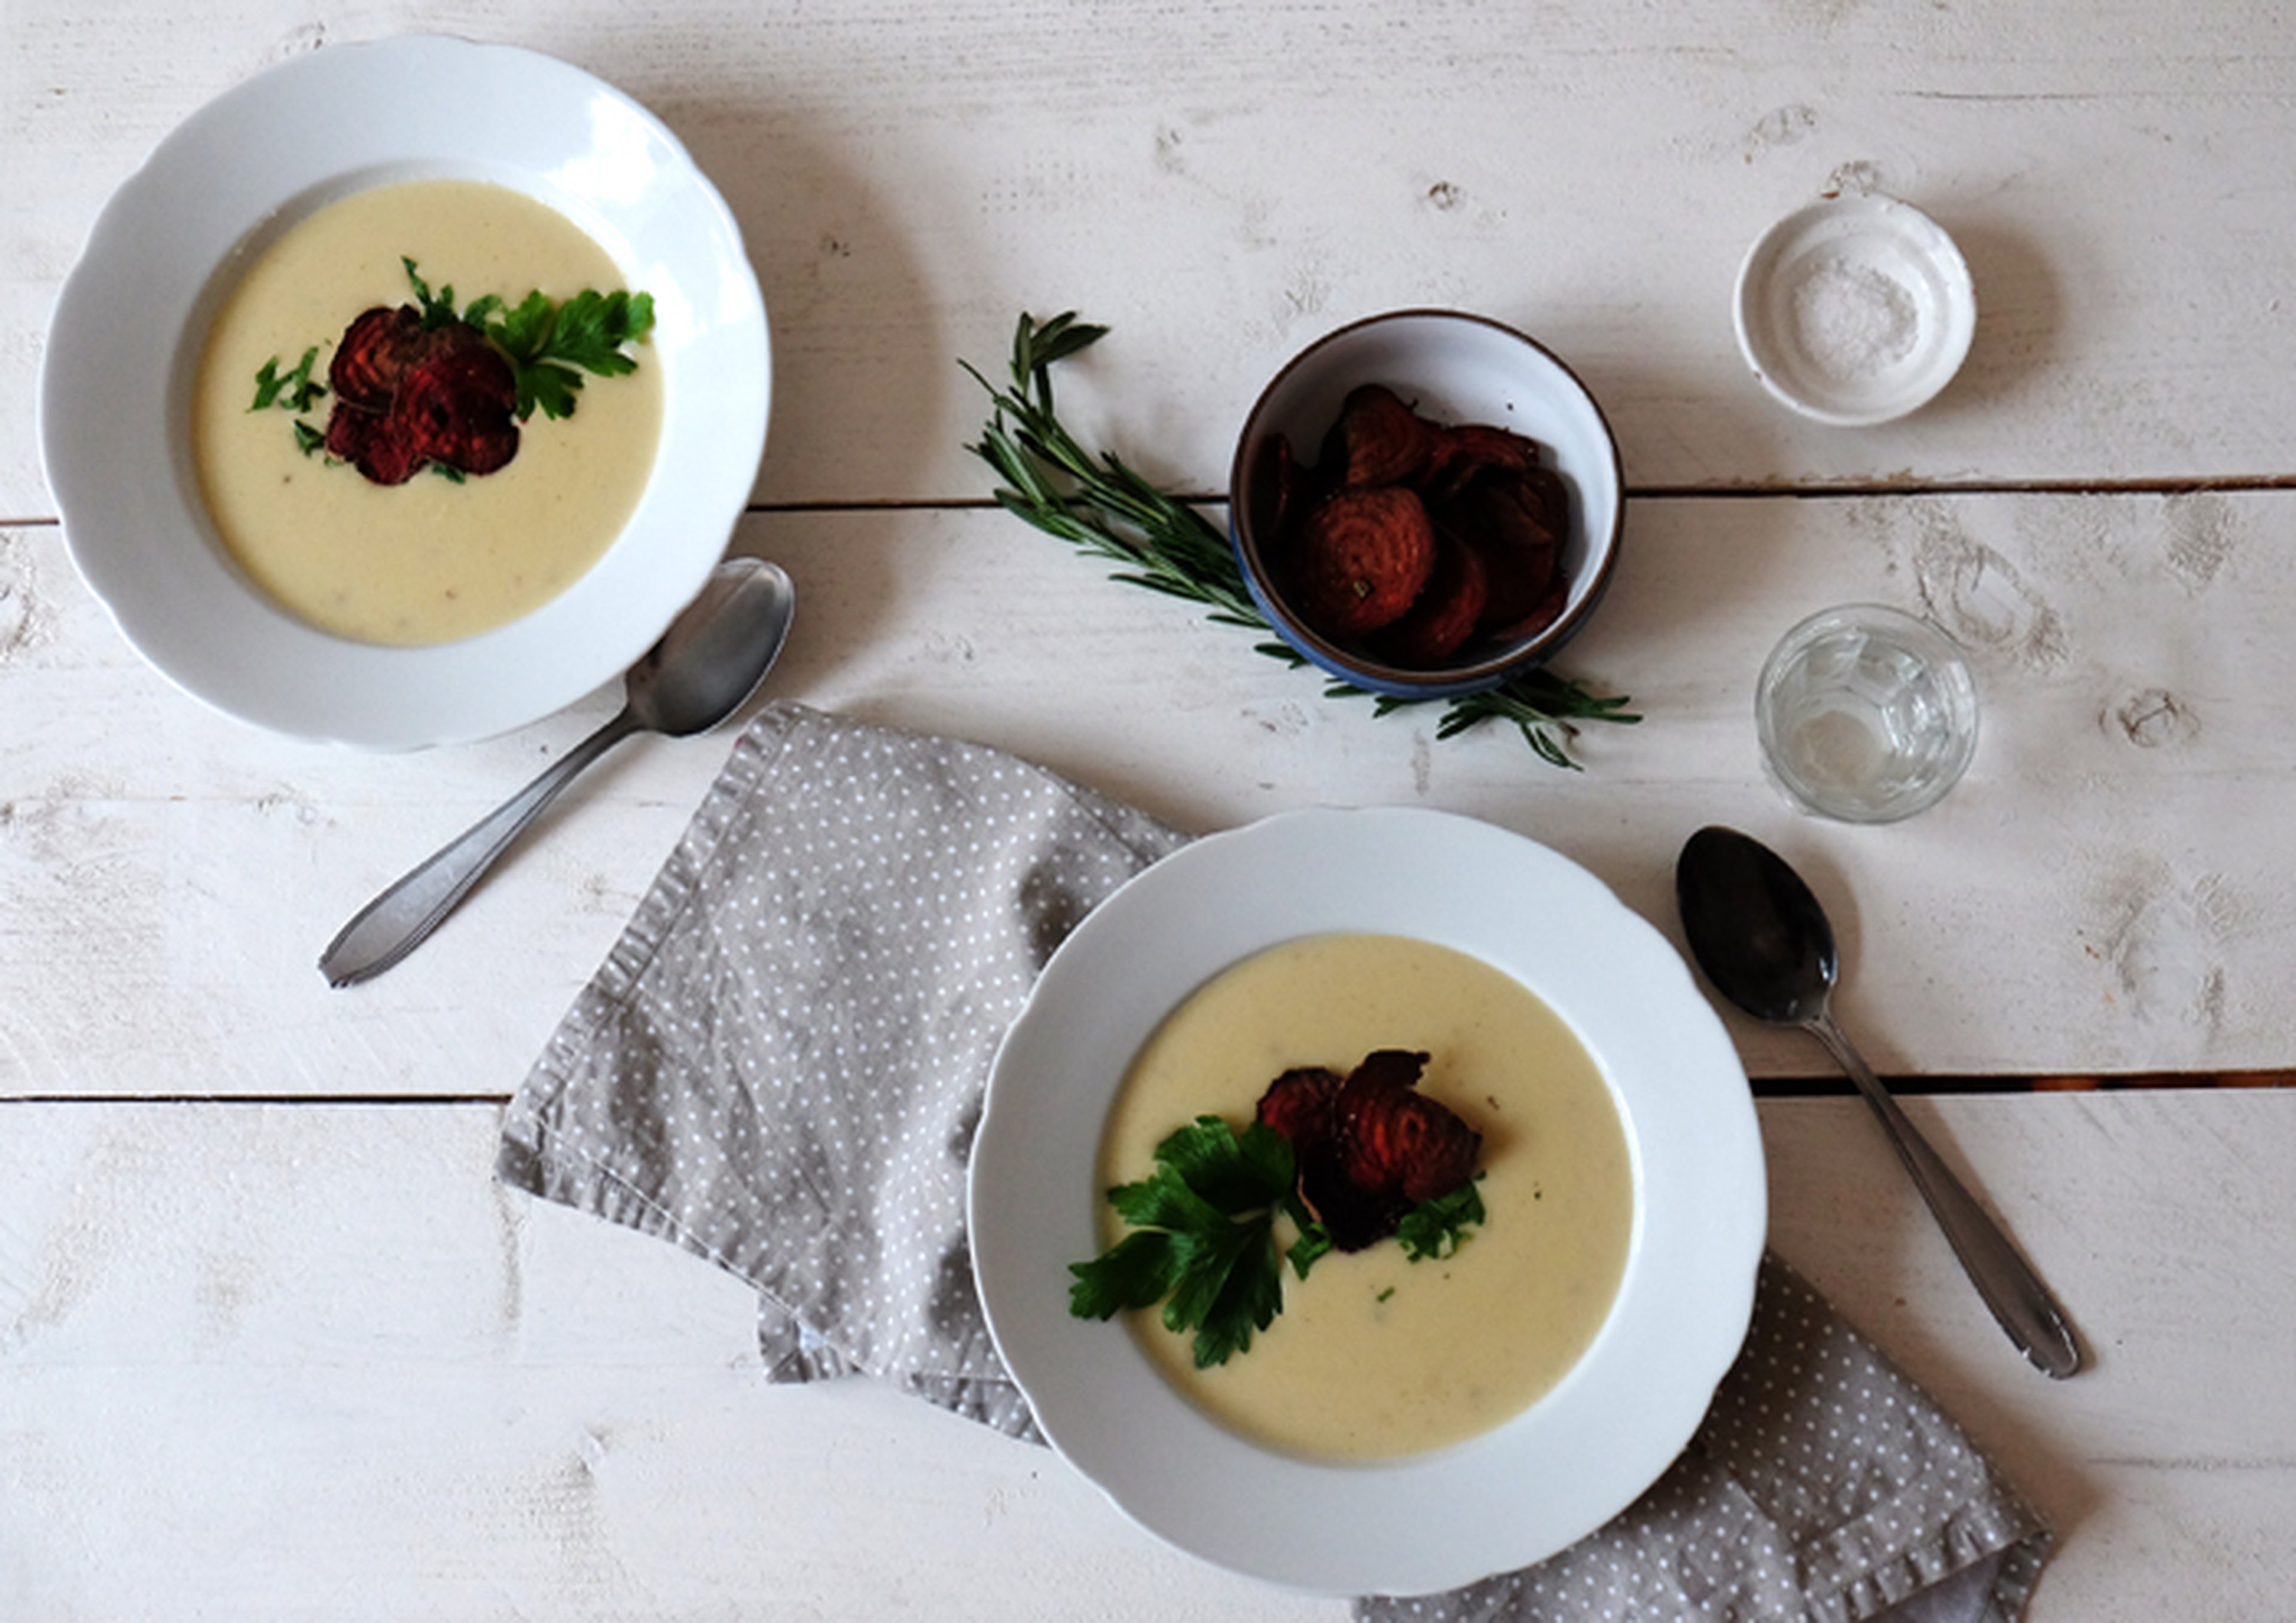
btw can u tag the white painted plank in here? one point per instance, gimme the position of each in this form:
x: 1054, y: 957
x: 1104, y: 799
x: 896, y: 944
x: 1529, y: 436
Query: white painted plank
x: 1224, y: 182
x: 288, y: 1362
x: 2159, y: 1217
x: 284, y: 1361
x: 2106, y: 892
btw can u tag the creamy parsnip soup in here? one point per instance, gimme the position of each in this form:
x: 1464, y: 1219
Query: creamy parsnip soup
x: 439, y: 556
x: 1374, y: 1355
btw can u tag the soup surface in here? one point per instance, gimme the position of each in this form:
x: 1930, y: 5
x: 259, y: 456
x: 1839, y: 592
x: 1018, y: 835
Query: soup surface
x: 432, y: 559
x: 1375, y: 1355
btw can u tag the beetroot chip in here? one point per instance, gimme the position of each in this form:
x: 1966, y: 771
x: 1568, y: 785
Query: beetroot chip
x: 1297, y: 1105
x: 1515, y: 519
x: 1399, y: 1142
x: 458, y: 407
x: 1446, y: 612
x: 374, y: 355
x: 1378, y: 440
x: 1465, y: 449
x: 1543, y: 613
x: 1360, y: 559
x: 372, y: 444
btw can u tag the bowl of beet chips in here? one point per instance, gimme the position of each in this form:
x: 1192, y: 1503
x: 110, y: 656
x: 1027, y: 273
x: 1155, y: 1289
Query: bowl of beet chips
x: 1426, y: 502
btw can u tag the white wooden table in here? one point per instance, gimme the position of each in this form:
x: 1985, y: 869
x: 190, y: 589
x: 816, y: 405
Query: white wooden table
x: 272, y: 1343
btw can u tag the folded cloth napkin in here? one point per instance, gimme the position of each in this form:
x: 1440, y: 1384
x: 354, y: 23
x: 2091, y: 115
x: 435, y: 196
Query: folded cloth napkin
x: 781, y: 1064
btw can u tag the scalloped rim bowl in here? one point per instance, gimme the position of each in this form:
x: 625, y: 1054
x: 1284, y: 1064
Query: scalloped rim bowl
x: 131, y: 322
x: 1456, y: 368
x: 1532, y: 1484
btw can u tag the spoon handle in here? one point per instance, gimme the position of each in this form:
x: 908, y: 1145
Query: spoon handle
x: 395, y: 922
x: 2003, y: 1277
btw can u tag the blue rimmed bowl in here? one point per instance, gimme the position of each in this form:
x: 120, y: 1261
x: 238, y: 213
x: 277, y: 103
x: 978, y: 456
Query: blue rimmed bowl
x: 1452, y: 368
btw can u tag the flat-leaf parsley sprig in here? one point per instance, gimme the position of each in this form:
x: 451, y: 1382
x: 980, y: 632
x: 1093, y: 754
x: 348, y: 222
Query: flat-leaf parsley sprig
x: 1204, y: 1240
x: 1109, y: 510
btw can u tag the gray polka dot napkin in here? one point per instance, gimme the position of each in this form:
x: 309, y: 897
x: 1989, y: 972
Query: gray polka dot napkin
x: 780, y: 1066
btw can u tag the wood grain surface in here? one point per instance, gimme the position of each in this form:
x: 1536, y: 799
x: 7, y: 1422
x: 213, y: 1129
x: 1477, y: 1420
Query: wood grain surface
x: 274, y: 1345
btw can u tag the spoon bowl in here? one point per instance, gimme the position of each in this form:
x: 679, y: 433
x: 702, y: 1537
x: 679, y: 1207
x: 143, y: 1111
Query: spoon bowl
x: 1764, y: 942
x: 712, y: 658
x: 1756, y: 930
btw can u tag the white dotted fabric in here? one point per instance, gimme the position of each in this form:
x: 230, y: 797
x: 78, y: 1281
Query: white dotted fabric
x: 779, y: 1067
x: 1824, y: 1485
x: 781, y: 1064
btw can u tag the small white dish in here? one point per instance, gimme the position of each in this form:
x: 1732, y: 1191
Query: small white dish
x: 131, y: 322
x: 1432, y: 1522
x: 1854, y: 310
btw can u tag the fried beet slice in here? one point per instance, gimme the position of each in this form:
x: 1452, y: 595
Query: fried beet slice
x: 1360, y: 560
x: 457, y: 405
x: 371, y: 443
x: 1395, y: 1142
x: 1280, y: 493
x: 1543, y: 613
x: 374, y: 353
x: 1378, y: 440
x: 1398, y: 1144
x: 1463, y: 450
x: 350, y: 431
x: 1512, y: 520
x: 1297, y: 1105
x: 1447, y: 612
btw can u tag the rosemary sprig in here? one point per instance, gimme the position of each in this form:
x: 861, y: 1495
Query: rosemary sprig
x: 1108, y: 511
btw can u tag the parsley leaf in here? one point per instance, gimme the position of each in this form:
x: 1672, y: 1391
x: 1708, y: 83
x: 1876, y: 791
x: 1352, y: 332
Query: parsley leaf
x: 1315, y: 1239
x: 1232, y: 1174
x: 1437, y: 1228
x: 1204, y: 1239
x: 551, y: 345
x: 292, y: 391
x: 1229, y: 1287
x: 1138, y: 1271
x: 437, y: 309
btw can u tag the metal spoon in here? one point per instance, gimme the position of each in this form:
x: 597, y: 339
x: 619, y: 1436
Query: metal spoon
x: 1764, y: 942
x: 711, y: 659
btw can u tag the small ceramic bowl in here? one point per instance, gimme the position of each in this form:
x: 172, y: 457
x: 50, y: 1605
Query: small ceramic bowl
x: 1856, y: 310
x: 1453, y: 369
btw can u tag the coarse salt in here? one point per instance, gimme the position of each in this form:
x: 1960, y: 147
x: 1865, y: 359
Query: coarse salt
x: 1855, y: 320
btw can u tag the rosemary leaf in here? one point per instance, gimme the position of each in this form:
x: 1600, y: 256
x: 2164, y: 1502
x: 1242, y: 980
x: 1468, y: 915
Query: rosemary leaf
x: 1157, y: 541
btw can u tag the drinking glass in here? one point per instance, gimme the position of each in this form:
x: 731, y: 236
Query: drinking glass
x: 1866, y: 714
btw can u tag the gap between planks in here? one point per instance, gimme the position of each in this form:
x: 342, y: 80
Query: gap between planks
x: 1763, y: 1087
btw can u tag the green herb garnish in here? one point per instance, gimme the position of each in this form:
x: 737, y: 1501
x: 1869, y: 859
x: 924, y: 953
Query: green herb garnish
x: 438, y: 309
x: 547, y: 342
x: 1204, y: 1238
x: 293, y: 390
x: 1435, y: 1229
x: 1164, y: 544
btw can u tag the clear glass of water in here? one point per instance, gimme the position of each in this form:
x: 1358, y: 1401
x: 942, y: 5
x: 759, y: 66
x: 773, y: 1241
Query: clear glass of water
x: 1866, y: 714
